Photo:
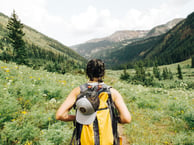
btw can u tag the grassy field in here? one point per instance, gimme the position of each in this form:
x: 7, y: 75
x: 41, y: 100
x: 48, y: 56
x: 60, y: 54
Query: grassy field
x: 161, y: 115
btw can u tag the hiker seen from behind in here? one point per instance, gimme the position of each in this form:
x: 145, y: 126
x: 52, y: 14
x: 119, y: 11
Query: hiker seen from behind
x: 99, y: 108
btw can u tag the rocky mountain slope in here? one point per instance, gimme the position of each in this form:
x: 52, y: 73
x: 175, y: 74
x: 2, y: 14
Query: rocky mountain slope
x: 41, y: 42
x: 98, y: 47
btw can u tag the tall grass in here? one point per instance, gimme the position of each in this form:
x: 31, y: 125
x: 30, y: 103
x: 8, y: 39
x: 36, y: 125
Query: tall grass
x: 29, y: 99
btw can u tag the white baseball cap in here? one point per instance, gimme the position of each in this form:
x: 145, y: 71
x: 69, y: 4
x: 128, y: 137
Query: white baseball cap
x: 86, y: 113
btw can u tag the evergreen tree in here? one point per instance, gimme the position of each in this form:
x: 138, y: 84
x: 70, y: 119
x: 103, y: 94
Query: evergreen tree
x: 156, y: 72
x: 140, y: 73
x: 15, y: 35
x: 180, y: 76
x: 192, y: 62
x: 165, y: 73
x: 125, y: 75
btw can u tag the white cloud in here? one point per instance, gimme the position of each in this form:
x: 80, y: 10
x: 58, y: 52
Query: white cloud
x: 92, y: 22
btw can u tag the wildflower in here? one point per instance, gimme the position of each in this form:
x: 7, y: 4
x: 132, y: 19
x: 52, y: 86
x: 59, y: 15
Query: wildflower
x: 13, y: 120
x: 28, y: 143
x: 24, y: 112
x: 3, y: 67
x: 7, y: 70
x: 166, y: 142
x: 53, y: 101
x: 41, y: 132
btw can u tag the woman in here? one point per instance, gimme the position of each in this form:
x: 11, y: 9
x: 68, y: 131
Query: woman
x: 95, y: 71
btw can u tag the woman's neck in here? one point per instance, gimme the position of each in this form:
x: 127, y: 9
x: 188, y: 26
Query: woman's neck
x: 94, y: 80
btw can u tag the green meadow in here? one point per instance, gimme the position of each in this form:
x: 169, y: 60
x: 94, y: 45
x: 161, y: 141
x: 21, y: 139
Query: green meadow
x: 161, y: 114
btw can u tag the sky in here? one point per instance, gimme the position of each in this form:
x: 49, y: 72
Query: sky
x: 77, y: 21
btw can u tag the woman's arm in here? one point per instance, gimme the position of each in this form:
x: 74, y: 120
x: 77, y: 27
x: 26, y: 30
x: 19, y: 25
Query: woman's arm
x: 62, y: 112
x: 125, y: 116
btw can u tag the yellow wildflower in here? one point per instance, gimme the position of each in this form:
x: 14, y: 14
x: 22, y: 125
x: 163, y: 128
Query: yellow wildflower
x: 24, y: 112
x: 13, y: 120
x: 28, y: 143
x: 7, y: 70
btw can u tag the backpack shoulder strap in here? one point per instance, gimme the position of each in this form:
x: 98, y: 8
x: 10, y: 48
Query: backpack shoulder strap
x: 114, y: 117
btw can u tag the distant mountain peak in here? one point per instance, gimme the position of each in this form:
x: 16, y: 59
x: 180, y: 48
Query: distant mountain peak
x: 121, y: 35
x: 161, y: 29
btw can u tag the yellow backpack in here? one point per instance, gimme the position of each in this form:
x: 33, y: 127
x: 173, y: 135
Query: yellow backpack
x: 103, y: 130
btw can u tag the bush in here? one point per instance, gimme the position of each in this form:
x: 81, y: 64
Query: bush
x: 189, y: 118
x: 125, y: 75
x: 9, y: 109
x: 57, y: 134
x: 19, y: 133
x: 147, y: 104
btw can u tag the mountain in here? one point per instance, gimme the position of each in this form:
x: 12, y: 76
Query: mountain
x: 173, y: 46
x: 161, y: 29
x: 103, y: 46
x: 121, y: 36
x: 115, y: 41
x: 48, y: 48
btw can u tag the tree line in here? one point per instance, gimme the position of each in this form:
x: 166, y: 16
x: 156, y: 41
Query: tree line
x: 147, y: 78
x: 15, y: 49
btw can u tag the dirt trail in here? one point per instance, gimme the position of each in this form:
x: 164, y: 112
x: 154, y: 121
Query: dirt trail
x: 121, y: 133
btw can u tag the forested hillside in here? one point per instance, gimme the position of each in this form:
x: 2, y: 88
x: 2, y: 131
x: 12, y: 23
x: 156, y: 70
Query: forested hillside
x: 174, y: 46
x: 103, y: 47
x: 42, y: 51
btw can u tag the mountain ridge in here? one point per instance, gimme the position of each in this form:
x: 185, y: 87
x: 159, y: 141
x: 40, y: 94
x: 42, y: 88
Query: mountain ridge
x: 43, y: 48
x: 174, y: 46
x: 95, y: 47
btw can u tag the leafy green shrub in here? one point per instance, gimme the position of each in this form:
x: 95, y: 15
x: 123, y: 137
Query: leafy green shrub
x: 143, y: 103
x: 40, y: 118
x: 184, y: 138
x: 9, y: 109
x: 19, y: 133
x: 177, y: 109
x: 52, y: 94
x: 125, y: 75
x: 57, y: 134
x: 189, y: 118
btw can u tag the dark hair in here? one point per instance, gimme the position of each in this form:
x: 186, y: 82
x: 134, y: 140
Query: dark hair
x: 95, y: 69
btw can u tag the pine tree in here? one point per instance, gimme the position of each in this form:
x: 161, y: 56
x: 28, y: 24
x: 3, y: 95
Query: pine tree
x: 140, y: 71
x: 156, y: 72
x: 180, y: 76
x: 192, y: 62
x: 15, y: 35
x: 165, y: 73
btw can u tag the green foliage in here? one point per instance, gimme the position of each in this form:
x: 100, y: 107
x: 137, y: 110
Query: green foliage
x: 140, y: 77
x: 125, y: 75
x: 174, y: 46
x: 167, y: 74
x: 15, y: 35
x: 192, y: 62
x: 39, y: 50
x: 180, y: 76
x: 29, y: 100
x: 156, y: 72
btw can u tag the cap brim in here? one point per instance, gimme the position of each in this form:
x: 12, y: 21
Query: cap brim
x: 85, y: 119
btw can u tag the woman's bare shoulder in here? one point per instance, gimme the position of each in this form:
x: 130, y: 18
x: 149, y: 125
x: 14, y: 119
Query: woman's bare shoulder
x: 115, y: 94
